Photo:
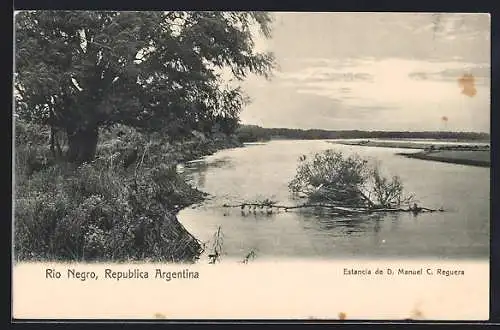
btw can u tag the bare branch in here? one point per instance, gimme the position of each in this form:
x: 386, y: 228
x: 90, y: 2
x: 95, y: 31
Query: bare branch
x: 342, y: 209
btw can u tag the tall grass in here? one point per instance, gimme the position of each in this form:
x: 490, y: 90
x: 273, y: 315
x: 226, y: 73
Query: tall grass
x: 104, y: 210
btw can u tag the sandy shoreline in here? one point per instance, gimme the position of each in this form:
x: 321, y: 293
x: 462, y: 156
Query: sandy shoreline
x: 456, y: 153
x: 472, y: 157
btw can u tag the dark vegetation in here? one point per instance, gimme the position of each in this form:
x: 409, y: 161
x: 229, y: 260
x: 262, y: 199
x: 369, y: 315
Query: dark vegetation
x: 253, y: 133
x: 332, y: 177
x: 107, y: 105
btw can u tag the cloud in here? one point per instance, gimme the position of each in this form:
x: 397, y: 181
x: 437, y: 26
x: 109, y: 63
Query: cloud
x: 394, y: 71
x: 392, y: 93
x: 325, y: 70
x: 390, y: 81
x: 381, y: 35
x: 481, y: 73
x: 445, y: 26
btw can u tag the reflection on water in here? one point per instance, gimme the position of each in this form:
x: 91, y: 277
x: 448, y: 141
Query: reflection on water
x: 263, y: 171
x: 195, y: 171
x: 340, y: 226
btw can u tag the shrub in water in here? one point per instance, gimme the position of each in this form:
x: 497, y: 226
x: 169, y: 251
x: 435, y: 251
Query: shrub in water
x: 332, y: 177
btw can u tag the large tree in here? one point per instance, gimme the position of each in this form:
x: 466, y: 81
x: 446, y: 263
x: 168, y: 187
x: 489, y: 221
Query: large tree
x: 80, y: 70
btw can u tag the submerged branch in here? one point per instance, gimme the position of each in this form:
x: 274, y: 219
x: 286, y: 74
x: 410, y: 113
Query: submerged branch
x: 339, y: 208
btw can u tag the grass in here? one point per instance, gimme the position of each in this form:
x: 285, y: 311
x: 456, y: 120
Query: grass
x: 103, y: 210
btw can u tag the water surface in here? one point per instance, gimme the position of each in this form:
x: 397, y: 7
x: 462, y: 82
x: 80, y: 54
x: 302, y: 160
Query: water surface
x: 263, y: 170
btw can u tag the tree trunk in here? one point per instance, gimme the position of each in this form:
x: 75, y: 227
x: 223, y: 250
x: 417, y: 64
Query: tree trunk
x: 52, y: 142
x: 82, y: 144
x: 58, y: 145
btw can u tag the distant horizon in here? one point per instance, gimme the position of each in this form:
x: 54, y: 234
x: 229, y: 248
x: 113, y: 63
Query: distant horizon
x: 366, y: 130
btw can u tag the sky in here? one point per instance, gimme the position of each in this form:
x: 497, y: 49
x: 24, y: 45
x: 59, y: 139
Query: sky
x: 374, y: 71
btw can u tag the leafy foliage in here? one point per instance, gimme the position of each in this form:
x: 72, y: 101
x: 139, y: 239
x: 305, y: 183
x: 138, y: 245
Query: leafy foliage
x: 78, y: 70
x: 332, y: 177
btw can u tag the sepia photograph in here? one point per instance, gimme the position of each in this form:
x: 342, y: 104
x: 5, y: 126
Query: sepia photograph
x: 171, y: 145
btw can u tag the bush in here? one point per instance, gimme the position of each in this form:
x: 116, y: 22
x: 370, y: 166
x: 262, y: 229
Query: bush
x: 102, y: 211
x: 31, y: 148
x: 31, y: 134
x: 332, y: 177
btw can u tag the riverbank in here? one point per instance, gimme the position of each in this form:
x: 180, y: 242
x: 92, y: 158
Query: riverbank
x: 120, y: 207
x: 456, y: 153
x: 402, y: 144
x: 463, y: 157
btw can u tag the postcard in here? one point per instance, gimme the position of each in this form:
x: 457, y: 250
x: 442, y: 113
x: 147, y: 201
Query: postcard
x: 208, y: 165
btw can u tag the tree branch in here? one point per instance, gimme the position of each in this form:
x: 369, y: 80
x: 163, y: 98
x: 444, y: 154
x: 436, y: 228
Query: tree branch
x: 343, y: 209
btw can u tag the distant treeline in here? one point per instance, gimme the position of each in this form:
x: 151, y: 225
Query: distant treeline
x: 254, y: 133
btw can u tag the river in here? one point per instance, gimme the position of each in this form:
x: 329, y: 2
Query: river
x: 259, y: 171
